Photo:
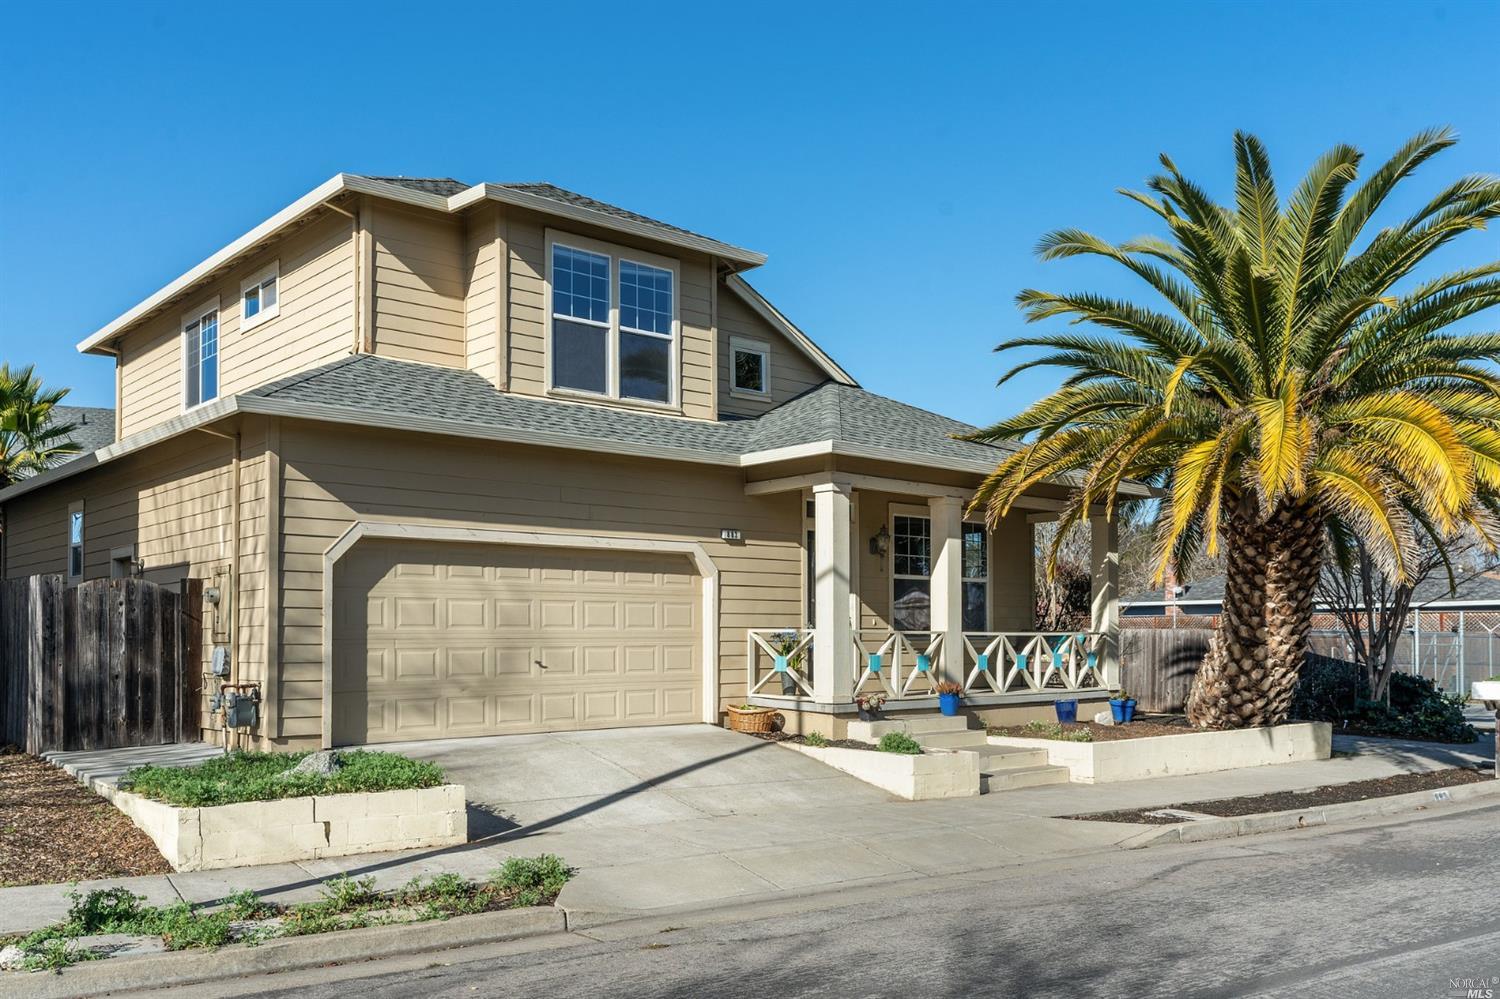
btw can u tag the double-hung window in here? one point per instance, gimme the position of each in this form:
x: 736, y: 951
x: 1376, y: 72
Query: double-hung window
x: 259, y: 298
x: 911, y: 575
x: 614, y: 321
x: 200, y: 355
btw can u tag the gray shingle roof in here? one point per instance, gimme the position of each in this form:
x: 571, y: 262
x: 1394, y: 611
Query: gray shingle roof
x: 563, y: 196
x: 445, y: 186
x: 94, y: 425
x: 829, y: 412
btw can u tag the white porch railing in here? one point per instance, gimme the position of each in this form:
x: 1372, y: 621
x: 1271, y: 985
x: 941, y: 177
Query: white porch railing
x: 897, y: 663
x: 1033, y: 662
x: 783, y: 654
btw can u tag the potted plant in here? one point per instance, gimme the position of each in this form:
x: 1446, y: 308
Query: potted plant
x: 1122, y: 708
x: 752, y: 718
x: 869, y: 705
x: 1067, y: 710
x: 948, y: 695
x: 784, y: 642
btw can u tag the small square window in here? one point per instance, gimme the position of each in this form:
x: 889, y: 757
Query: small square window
x: 749, y: 364
x: 259, y: 298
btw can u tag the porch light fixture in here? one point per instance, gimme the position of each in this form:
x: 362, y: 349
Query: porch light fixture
x: 881, y: 542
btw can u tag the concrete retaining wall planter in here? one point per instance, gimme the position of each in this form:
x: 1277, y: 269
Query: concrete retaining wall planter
x: 915, y: 777
x: 306, y: 828
x: 1189, y: 753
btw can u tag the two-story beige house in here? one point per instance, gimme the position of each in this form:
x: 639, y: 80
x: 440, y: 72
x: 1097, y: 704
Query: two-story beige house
x: 473, y: 460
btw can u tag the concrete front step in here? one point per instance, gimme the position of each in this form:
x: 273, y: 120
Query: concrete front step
x: 1010, y: 779
x: 996, y: 758
x: 916, y: 726
x: 964, y: 739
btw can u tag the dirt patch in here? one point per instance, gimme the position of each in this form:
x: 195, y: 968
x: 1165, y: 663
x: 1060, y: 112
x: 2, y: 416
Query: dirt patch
x: 54, y: 829
x: 1144, y: 727
x: 801, y: 740
x: 1285, y: 801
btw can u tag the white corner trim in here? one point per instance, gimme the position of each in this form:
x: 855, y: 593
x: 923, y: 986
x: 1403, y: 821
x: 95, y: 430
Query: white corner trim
x: 763, y: 308
x: 479, y: 533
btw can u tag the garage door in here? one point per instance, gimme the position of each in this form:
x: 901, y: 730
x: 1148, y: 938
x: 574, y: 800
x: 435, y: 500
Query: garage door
x: 439, y: 640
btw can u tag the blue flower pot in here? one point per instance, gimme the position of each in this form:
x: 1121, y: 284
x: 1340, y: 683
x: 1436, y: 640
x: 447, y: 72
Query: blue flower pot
x: 1130, y: 710
x: 948, y: 704
x: 1118, y: 712
x: 1067, y: 711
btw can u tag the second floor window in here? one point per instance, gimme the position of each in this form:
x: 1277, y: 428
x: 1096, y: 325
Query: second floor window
x: 75, y: 542
x: 614, y: 323
x: 258, y: 298
x: 200, y: 356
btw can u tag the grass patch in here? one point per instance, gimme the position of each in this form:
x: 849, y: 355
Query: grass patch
x: 264, y: 777
x: 344, y: 903
x: 899, y: 742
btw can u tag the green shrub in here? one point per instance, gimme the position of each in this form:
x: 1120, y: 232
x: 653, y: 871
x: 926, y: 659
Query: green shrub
x: 815, y: 739
x: 899, y: 742
x: 532, y: 880
x: 1334, y: 691
x: 264, y: 777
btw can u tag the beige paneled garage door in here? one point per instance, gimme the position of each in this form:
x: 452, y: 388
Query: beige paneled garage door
x: 433, y: 640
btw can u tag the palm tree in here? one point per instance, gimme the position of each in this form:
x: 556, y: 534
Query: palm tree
x: 1288, y: 393
x: 30, y: 440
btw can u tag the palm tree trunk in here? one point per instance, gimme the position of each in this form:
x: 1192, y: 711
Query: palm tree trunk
x: 1250, y: 673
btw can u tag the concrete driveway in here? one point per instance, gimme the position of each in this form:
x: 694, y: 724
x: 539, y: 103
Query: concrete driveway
x: 524, y: 784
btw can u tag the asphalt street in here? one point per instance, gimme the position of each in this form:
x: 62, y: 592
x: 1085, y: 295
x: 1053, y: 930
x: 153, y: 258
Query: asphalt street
x: 1404, y: 909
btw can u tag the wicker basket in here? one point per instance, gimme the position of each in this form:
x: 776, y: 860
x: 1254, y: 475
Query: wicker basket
x: 752, y: 719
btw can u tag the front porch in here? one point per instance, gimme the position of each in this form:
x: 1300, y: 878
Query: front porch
x: 902, y: 592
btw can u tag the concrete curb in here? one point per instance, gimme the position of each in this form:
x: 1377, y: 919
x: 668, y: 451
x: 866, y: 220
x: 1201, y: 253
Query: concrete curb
x: 1250, y: 825
x: 186, y: 967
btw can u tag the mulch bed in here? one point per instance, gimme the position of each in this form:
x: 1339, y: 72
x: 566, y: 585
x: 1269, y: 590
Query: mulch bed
x: 54, y: 829
x: 802, y: 741
x: 1142, y: 728
x: 1283, y: 801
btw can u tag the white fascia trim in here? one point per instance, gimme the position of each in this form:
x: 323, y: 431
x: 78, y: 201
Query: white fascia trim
x: 763, y: 308
x: 604, y: 220
x: 340, y: 183
x: 197, y: 417
x: 474, y: 532
x: 459, y: 428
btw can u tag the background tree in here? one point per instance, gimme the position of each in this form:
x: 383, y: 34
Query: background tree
x: 31, y: 440
x: 1291, y: 387
x: 1064, y: 595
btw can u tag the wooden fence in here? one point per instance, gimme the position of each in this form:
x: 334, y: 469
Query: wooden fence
x: 103, y: 664
x: 1157, y: 666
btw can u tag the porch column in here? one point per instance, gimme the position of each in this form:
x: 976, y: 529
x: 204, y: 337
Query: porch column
x: 833, y: 641
x: 1105, y: 606
x: 947, y: 514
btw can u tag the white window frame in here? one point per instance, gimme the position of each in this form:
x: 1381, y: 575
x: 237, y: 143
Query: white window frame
x: 744, y: 345
x: 925, y: 513
x: 270, y: 272
x: 988, y: 571
x: 616, y: 254
x: 188, y: 317
x: 76, y: 510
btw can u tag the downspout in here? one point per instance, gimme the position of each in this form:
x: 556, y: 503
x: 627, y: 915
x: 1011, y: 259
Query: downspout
x: 232, y: 619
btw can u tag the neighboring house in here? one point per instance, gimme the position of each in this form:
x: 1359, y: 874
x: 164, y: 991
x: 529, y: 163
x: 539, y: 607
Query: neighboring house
x: 502, y: 458
x: 1205, y: 598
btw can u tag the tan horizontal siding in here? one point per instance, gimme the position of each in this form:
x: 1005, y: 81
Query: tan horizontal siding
x: 526, y: 242
x: 482, y: 293
x: 419, y: 287
x: 174, y: 504
x: 314, y: 324
x: 336, y: 476
x: 791, y: 372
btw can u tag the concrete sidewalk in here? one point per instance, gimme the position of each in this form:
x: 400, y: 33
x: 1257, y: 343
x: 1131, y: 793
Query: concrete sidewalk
x: 638, y: 861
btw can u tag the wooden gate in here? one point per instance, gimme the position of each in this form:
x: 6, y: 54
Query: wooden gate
x: 103, y: 664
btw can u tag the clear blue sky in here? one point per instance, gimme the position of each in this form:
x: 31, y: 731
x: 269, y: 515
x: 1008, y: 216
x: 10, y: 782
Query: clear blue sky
x: 896, y: 162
